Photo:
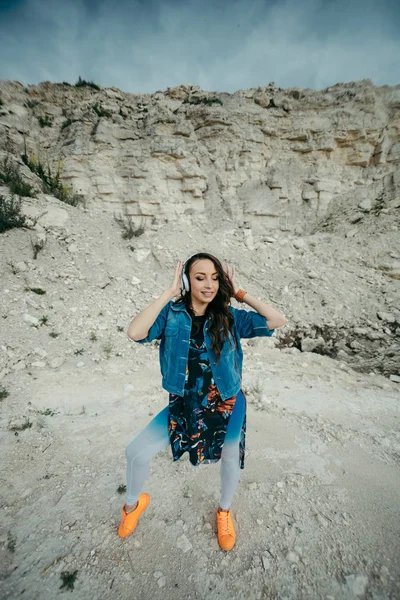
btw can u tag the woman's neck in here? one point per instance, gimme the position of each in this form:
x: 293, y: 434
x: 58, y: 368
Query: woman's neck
x: 199, y: 312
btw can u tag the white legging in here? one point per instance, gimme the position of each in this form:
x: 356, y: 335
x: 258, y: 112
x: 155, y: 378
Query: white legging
x: 154, y: 438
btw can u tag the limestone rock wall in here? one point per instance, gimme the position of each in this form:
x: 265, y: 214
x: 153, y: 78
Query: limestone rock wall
x: 265, y: 158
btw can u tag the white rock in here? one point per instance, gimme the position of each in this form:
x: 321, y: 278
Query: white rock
x: 266, y: 563
x: 395, y: 378
x: 57, y: 362
x: 40, y: 352
x: 357, y: 584
x: 135, y: 280
x: 33, y: 321
x: 20, y: 266
x: 38, y: 364
x: 20, y: 366
x: 3, y: 373
x: 55, y: 217
x: 183, y: 543
x: 365, y: 205
x: 141, y: 254
x: 310, y: 344
x: 292, y: 557
x: 387, y: 317
x: 38, y: 240
x: 32, y: 303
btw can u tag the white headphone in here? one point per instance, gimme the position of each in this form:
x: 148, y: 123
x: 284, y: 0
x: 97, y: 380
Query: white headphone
x: 185, y: 285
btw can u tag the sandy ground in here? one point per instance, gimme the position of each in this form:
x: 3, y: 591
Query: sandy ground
x: 316, y: 510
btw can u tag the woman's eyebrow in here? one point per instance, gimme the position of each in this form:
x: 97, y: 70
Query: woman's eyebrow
x: 200, y: 273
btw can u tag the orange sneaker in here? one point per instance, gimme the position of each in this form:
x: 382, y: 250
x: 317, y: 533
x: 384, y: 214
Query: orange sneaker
x: 226, y: 531
x: 130, y: 520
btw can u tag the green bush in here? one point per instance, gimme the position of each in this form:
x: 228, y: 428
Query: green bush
x: 31, y: 103
x: 207, y: 101
x: 66, y: 123
x: 211, y: 101
x: 10, y: 214
x: 45, y: 122
x: 10, y: 175
x: 82, y: 83
x: 52, y: 183
x: 100, y: 112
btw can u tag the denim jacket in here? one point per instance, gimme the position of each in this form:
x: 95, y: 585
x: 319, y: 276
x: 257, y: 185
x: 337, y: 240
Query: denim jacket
x: 173, y: 326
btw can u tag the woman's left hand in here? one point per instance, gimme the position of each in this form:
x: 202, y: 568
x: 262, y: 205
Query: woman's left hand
x: 231, y: 272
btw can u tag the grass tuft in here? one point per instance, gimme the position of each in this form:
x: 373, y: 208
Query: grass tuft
x: 10, y: 214
x: 11, y: 542
x: 3, y: 393
x: 26, y: 425
x: 51, y: 181
x: 107, y: 347
x: 47, y: 412
x: 10, y: 175
x: 128, y: 230
x: 68, y: 579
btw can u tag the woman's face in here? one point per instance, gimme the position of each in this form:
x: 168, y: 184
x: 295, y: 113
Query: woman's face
x: 204, y: 281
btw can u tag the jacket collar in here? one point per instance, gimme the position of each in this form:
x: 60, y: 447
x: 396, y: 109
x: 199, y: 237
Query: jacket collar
x: 178, y: 307
x: 182, y: 308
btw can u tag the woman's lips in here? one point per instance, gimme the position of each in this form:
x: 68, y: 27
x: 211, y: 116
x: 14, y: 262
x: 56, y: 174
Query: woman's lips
x: 207, y: 293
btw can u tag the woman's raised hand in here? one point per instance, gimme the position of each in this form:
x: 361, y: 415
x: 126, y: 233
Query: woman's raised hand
x: 175, y: 287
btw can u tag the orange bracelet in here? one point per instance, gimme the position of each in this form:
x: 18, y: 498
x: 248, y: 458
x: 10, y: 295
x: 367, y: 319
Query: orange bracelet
x: 240, y: 294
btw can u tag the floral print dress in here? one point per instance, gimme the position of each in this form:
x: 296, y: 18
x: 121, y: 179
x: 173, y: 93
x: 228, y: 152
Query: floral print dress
x: 198, y: 420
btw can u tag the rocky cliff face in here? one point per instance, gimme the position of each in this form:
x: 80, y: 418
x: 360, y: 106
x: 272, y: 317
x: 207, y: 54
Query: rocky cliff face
x: 299, y: 189
x: 265, y: 158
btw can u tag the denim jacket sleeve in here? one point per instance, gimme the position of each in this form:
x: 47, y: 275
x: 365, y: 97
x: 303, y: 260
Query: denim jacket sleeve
x: 250, y: 324
x: 157, y: 329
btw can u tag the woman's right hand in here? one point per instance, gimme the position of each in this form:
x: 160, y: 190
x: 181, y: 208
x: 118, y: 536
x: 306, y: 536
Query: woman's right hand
x: 175, y: 287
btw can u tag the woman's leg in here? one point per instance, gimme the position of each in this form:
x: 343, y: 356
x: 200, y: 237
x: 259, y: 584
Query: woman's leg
x: 230, y: 463
x: 143, y: 447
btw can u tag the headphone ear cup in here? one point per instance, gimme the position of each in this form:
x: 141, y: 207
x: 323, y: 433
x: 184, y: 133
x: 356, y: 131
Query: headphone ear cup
x: 185, y: 282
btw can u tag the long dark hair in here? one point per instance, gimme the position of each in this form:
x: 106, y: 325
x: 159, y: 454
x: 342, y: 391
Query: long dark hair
x: 221, y: 319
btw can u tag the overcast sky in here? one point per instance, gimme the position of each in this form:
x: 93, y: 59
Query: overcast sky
x: 149, y: 45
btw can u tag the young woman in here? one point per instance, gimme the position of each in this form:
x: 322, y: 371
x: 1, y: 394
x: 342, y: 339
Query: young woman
x: 201, y: 366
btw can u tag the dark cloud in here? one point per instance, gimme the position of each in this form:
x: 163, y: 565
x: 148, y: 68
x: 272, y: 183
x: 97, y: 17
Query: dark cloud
x: 145, y: 45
